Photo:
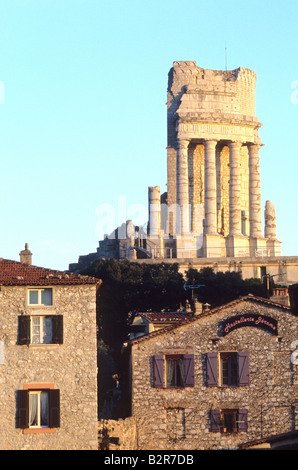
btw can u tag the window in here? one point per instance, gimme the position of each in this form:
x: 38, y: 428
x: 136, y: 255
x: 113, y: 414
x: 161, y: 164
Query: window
x: 40, y: 296
x: 173, y: 371
x: 38, y: 409
x: 228, y: 421
x: 40, y: 329
x: 227, y: 369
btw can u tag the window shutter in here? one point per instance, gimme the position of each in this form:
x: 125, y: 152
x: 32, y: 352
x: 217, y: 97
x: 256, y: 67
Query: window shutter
x: 215, y: 420
x: 212, y: 369
x: 23, y: 409
x: 158, y: 371
x: 243, y: 369
x: 57, y: 326
x: 54, y: 408
x: 242, y: 420
x: 189, y: 379
x: 24, y: 329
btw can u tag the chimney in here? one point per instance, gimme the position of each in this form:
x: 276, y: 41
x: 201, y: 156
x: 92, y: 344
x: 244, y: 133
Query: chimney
x: 26, y: 255
x: 197, y: 307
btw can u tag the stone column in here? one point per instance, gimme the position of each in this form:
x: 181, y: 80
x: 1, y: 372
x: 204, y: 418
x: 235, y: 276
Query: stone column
x: 270, y: 220
x: 255, y: 214
x: 182, y: 222
x: 210, y: 187
x: 154, y: 211
x: 235, y: 189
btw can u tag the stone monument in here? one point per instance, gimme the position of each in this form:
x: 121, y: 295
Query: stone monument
x: 213, y: 184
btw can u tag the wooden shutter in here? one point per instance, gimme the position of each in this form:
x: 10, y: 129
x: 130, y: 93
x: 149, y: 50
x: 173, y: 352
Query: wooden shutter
x: 54, y: 405
x: 212, y: 370
x: 57, y: 329
x: 243, y: 369
x: 189, y: 379
x: 158, y: 371
x: 24, y: 329
x: 215, y: 420
x: 242, y: 420
x: 23, y: 409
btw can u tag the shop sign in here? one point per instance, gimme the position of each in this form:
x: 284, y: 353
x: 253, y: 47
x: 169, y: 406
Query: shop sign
x: 248, y: 319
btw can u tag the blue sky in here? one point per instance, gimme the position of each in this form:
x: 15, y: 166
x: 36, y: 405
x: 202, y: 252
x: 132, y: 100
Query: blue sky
x: 83, y: 115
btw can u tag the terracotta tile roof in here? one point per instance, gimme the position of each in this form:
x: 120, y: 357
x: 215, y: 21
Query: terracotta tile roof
x: 194, y: 318
x: 164, y: 317
x: 14, y: 273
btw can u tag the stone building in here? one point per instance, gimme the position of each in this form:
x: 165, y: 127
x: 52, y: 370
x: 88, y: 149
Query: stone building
x: 218, y: 380
x: 211, y: 213
x: 48, y: 358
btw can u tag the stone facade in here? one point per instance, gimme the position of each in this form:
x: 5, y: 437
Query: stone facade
x: 210, y: 409
x: 62, y: 367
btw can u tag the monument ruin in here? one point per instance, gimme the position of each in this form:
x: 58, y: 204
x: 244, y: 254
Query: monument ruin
x: 211, y: 214
x: 213, y: 185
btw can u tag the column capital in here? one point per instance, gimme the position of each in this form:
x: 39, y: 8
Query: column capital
x: 210, y: 143
x: 254, y: 147
x: 235, y: 145
x: 182, y: 144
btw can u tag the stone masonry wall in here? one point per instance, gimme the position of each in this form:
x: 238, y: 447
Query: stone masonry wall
x: 71, y: 367
x: 180, y: 418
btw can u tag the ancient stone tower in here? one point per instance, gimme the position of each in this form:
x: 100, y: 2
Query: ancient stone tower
x: 213, y: 185
x: 211, y: 213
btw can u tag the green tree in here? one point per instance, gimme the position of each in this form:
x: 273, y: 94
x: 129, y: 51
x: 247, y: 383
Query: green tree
x: 128, y: 288
x: 220, y: 288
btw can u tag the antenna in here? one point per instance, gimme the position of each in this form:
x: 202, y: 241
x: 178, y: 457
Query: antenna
x: 226, y: 56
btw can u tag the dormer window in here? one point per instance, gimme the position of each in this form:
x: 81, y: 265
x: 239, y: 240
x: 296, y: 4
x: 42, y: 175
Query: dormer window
x: 40, y: 296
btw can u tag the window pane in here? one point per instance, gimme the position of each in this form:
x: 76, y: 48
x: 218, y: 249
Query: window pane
x: 33, y: 297
x: 234, y: 369
x: 44, y: 409
x: 170, y: 373
x: 175, y: 372
x: 229, y: 421
x: 33, y: 409
x: 47, y: 330
x: 180, y: 373
x: 46, y: 297
x: 35, y: 330
x: 229, y: 364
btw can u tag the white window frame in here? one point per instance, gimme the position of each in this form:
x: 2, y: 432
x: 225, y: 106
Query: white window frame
x: 42, y: 319
x: 38, y: 393
x: 39, y: 296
